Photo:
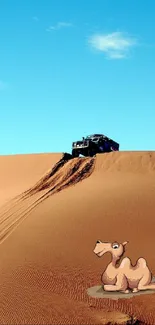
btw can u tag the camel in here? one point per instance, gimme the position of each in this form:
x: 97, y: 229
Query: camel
x: 124, y: 277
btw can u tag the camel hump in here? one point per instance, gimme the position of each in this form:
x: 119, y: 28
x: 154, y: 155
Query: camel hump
x: 125, y: 262
x: 141, y: 262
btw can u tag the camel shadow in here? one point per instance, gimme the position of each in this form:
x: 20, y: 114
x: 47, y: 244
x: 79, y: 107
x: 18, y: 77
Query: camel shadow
x: 99, y: 292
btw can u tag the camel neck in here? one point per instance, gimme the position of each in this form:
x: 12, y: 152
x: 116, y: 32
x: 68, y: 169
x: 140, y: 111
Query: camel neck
x: 114, y: 260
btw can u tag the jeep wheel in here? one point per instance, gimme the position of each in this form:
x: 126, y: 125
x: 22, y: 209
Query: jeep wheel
x: 91, y: 153
x: 75, y: 153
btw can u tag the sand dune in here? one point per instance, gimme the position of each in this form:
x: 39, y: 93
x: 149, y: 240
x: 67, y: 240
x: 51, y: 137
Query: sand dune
x: 53, y: 209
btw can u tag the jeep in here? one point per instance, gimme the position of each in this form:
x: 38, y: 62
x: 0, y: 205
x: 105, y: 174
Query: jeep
x: 93, y: 144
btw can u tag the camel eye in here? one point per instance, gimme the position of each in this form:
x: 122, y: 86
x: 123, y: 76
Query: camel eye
x: 115, y: 246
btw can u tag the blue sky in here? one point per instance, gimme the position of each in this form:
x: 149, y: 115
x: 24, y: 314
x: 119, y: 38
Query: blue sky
x: 72, y: 68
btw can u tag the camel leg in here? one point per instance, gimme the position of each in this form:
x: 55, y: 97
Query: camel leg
x: 145, y: 281
x: 142, y: 286
x: 145, y: 284
x: 125, y: 291
x: 121, y: 284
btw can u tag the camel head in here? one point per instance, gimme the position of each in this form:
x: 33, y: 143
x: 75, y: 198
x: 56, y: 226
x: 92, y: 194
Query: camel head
x: 116, y: 249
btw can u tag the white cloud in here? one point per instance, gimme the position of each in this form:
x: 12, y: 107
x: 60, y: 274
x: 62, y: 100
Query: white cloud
x: 115, y: 45
x: 59, y: 25
x: 2, y: 85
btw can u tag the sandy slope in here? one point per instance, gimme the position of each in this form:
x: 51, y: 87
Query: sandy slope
x: 48, y: 234
x: 18, y: 172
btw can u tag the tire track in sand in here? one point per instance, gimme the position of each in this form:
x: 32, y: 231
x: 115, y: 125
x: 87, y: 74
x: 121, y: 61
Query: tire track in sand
x: 66, y: 172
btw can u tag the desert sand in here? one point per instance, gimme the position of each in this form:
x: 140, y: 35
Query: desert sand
x: 52, y: 211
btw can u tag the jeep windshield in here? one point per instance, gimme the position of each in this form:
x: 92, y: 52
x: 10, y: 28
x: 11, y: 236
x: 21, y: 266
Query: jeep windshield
x: 94, y: 137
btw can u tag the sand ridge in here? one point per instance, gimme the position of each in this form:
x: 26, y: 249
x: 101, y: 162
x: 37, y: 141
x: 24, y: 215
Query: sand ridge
x: 141, y: 162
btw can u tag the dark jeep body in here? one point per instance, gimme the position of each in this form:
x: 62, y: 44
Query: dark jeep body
x: 93, y: 144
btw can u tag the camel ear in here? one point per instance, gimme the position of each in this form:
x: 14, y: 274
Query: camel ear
x: 124, y: 243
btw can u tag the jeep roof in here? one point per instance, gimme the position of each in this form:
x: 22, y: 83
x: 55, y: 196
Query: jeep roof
x: 94, y: 136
